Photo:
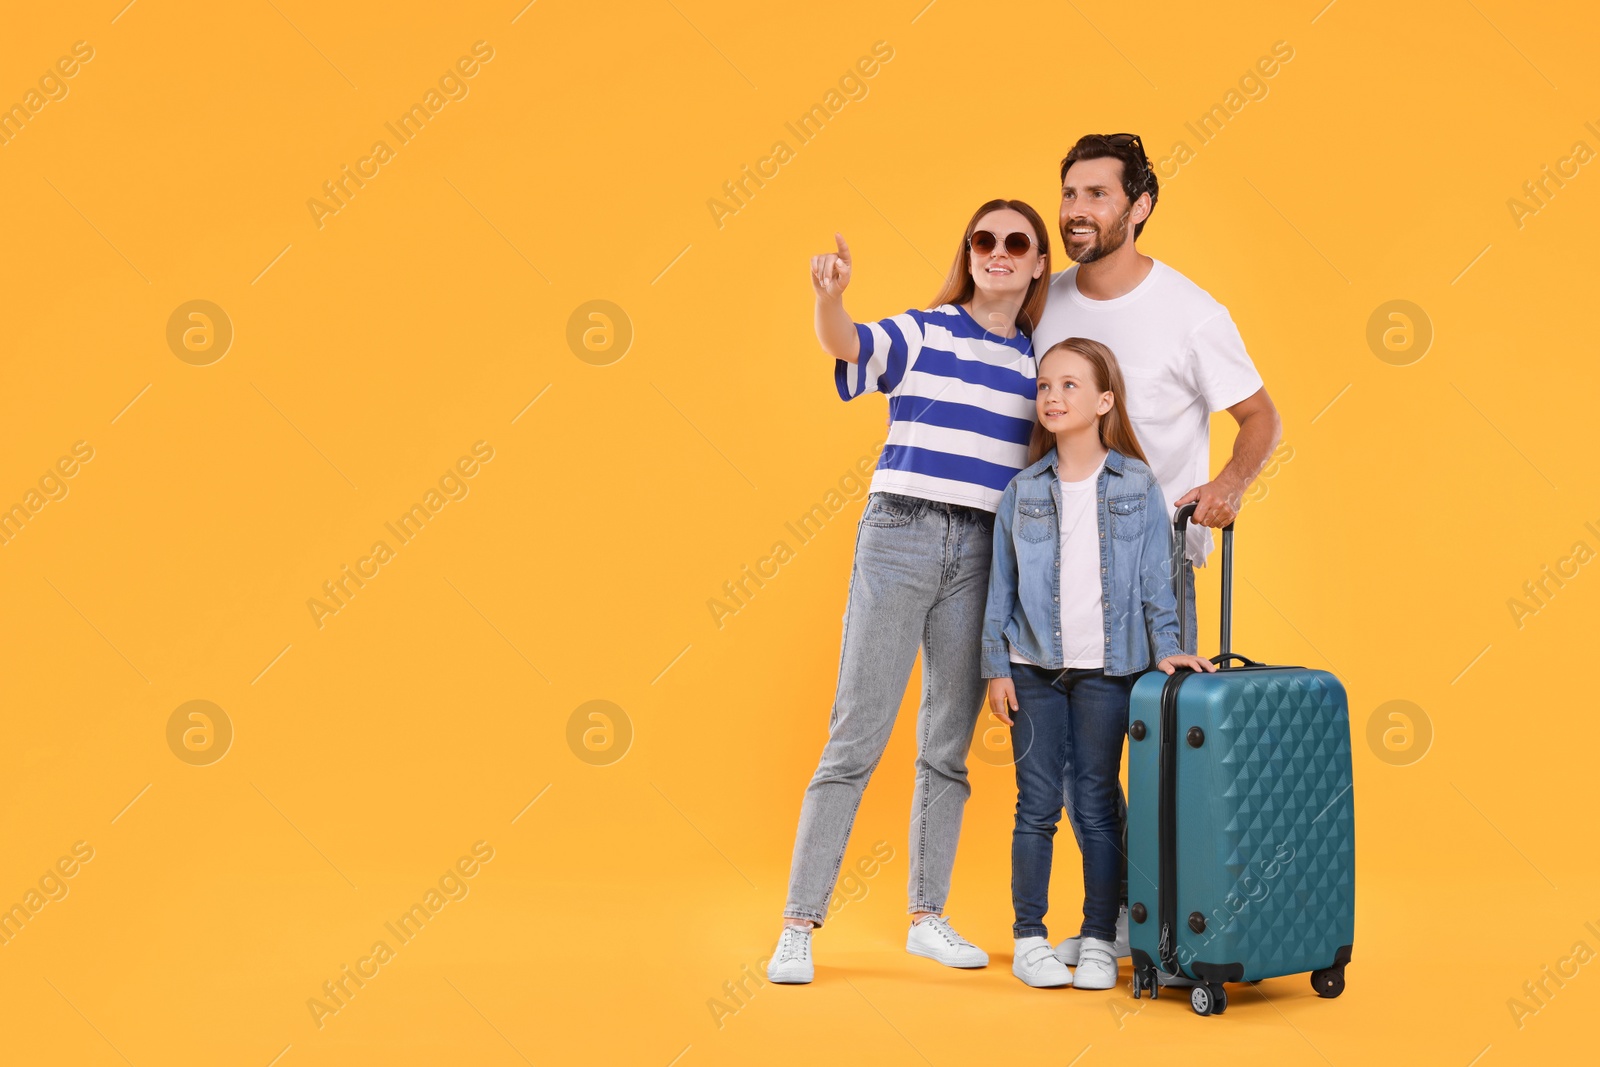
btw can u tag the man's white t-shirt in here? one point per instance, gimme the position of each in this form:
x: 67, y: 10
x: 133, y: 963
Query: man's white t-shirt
x: 1083, y: 619
x: 1182, y: 359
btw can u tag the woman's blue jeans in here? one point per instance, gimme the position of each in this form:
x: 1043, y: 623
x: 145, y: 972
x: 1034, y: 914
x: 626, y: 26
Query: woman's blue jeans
x: 1074, y: 719
x: 921, y: 578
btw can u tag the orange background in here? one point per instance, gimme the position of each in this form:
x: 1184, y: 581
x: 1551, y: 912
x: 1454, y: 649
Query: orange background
x: 639, y: 860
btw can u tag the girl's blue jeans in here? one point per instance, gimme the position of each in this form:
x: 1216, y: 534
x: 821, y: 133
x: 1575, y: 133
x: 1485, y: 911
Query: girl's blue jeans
x: 1067, y: 739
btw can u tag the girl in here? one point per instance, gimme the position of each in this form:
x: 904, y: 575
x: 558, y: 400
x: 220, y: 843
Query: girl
x: 1080, y: 599
x: 960, y: 383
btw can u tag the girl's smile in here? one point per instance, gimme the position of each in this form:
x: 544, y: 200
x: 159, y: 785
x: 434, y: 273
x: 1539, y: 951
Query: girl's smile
x: 1063, y: 402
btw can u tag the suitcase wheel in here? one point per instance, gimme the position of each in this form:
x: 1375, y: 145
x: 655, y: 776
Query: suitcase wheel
x: 1328, y: 982
x: 1208, y: 999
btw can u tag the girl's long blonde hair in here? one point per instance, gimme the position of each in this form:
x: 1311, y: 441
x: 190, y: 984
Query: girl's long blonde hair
x: 959, y: 286
x: 1116, y: 431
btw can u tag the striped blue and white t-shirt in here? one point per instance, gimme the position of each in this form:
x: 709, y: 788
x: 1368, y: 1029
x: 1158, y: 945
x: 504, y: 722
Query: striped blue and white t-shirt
x: 961, y: 404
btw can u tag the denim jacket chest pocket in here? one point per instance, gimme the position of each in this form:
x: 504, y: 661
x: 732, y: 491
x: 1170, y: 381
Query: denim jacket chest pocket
x: 1036, y: 519
x: 1127, y: 517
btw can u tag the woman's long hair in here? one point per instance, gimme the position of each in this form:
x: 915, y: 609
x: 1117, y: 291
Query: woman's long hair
x: 1116, y: 431
x: 959, y: 286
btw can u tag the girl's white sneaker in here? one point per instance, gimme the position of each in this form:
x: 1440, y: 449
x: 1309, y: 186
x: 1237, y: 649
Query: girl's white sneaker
x: 791, y: 962
x: 936, y: 939
x: 1067, y: 951
x: 1097, y: 965
x: 1035, y: 962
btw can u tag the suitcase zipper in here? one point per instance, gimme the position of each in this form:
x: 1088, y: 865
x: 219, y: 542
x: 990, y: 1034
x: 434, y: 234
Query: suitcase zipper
x: 1167, y: 887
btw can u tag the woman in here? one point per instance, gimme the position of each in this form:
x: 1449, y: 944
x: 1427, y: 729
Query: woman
x: 960, y: 383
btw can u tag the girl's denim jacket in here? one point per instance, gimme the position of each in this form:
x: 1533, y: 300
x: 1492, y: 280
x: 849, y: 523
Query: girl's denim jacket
x: 1136, y: 587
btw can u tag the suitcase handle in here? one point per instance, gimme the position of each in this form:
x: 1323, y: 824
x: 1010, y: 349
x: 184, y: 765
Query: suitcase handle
x: 1180, y: 526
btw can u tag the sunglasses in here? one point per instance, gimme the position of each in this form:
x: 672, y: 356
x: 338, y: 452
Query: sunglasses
x: 983, y: 242
x: 1131, y: 140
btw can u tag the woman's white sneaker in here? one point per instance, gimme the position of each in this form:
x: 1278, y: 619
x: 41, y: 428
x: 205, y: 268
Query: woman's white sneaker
x: 936, y: 939
x: 1097, y: 965
x: 791, y: 962
x: 1035, y: 962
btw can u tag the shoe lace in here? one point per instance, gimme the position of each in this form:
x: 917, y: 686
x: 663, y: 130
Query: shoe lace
x: 794, y: 944
x: 942, y: 927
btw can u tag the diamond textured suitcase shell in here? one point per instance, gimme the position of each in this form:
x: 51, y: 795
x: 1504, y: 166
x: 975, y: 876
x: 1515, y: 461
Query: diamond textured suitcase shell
x: 1241, y: 819
x: 1265, y: 821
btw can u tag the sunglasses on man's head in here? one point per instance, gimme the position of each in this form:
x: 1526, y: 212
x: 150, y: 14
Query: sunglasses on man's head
x: 1131, y: 140
x: 983, y: 242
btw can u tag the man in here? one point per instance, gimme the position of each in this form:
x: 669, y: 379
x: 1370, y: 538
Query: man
x: 1180, y: 353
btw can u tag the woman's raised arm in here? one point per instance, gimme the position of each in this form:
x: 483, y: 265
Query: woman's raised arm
x: 830, y: 274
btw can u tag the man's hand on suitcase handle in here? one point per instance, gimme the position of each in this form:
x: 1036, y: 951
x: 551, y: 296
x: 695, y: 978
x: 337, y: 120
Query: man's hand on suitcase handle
x: 1002, y: 699
x: 1194, y: 663
x: 1216, y: 503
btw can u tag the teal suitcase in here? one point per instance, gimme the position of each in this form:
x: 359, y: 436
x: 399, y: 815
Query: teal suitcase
x: 1241, y: 825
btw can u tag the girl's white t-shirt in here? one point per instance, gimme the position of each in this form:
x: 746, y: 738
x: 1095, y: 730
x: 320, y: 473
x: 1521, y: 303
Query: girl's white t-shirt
x: 1083, y: 620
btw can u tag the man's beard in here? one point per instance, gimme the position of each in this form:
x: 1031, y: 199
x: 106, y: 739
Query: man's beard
x: 1101, y: 245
